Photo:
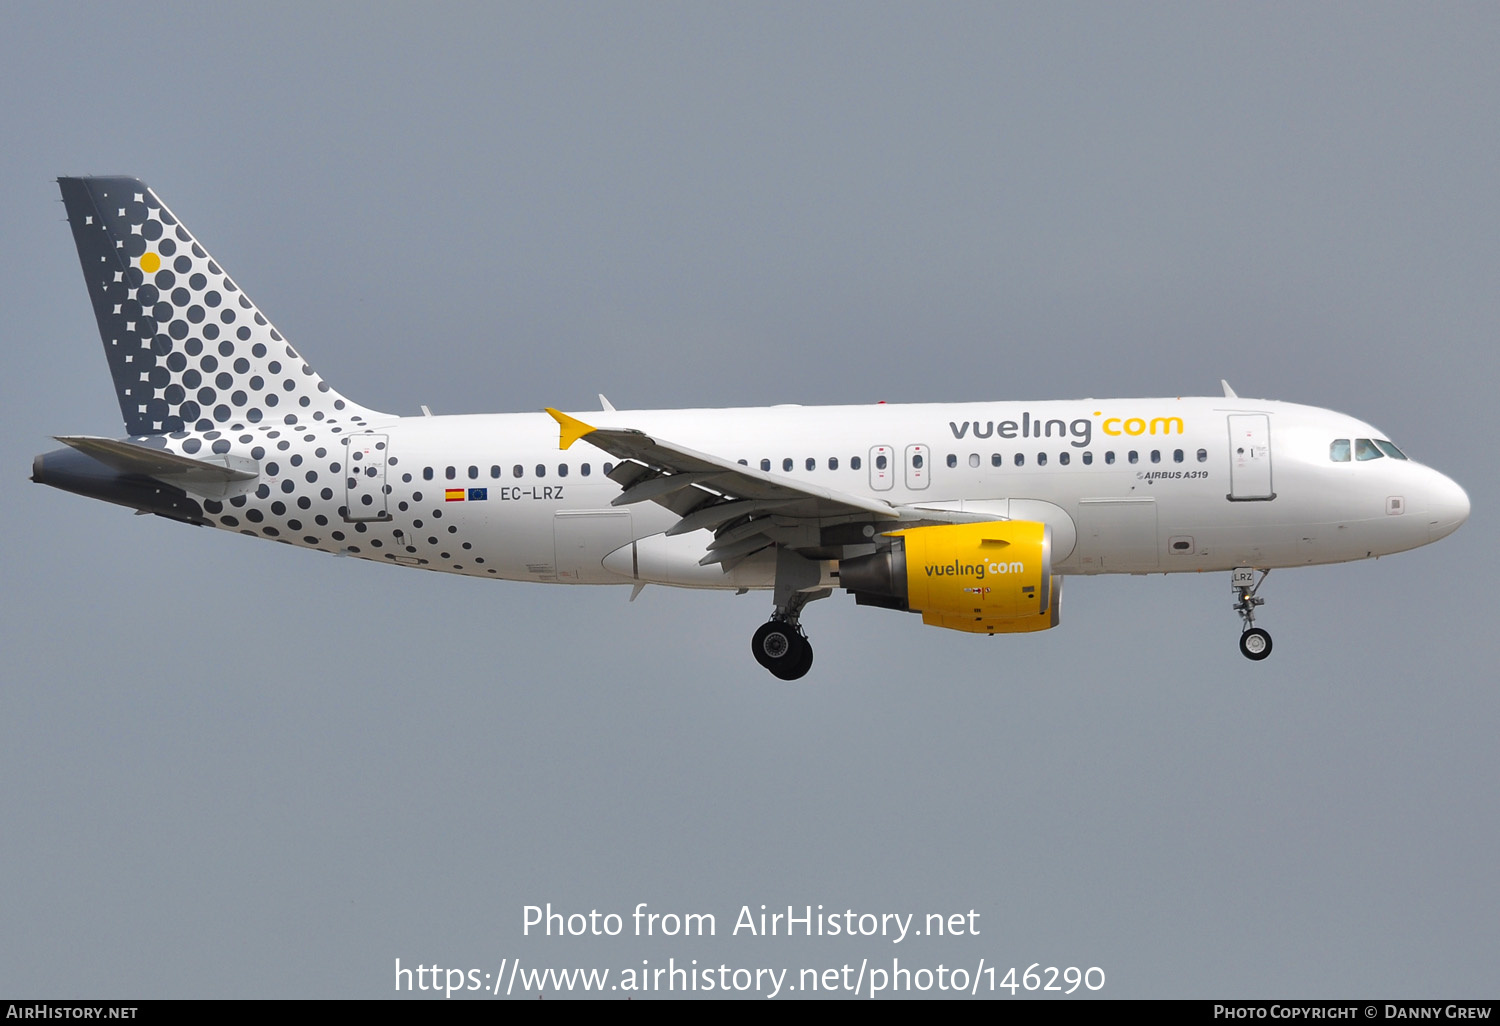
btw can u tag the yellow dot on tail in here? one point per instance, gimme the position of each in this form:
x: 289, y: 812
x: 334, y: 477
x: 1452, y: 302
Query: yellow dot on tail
x: 150, y: 262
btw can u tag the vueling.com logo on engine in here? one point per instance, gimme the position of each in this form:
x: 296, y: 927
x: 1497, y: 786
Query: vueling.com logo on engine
x: 975, y: 570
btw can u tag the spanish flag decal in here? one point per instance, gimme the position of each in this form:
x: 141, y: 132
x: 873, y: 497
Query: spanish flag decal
x: 453, y: 495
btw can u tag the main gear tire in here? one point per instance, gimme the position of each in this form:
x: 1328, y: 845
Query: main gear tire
x: 781, y: 648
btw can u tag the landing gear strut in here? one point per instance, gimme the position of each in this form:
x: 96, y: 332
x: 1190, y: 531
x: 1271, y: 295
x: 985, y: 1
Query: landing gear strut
x: 1254, y: 642
x: 779, y: 644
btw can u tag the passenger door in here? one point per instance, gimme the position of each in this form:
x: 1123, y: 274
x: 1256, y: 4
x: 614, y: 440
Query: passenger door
x: 364, y: 477
x: 1250, y: 457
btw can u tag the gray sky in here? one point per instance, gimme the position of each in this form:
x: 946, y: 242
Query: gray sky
x: 235, y: 769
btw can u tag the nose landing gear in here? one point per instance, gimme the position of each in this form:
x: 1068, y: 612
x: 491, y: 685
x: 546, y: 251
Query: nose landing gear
x: 1254, y: 642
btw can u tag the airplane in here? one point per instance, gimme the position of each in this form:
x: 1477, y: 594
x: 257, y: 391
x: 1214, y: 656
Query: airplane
x: 970, y: 514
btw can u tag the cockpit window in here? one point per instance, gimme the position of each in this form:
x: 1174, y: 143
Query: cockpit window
x: 1364, y: 449
x: 1390, y: 450
x: 1339, y: 450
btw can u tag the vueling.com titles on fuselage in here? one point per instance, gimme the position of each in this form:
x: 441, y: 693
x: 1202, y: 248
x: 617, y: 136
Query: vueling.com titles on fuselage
x: 1080, y: 432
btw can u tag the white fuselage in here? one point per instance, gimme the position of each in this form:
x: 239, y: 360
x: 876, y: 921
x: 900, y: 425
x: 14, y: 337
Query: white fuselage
x: 1127, y: 485
x: 898, y: 505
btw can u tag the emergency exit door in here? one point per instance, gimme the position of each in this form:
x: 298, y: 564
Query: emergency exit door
x: 882, y: 473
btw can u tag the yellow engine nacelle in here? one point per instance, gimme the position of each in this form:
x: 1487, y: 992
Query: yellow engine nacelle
x: 989, y: 578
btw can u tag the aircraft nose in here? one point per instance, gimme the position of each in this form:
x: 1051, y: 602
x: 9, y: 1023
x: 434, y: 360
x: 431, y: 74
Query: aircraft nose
x: 1448, y: 507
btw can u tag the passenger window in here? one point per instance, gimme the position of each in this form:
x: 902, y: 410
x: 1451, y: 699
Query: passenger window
x: 996, y: 460
x: 562, y: 470
x: 812, y: 464
x: 1041, y: 459
x: 765, y: 465
x: 1063, y: 458
x: 1155, y: 455
x: 1176, y: 455
x: 426, y: 473
x: 1364, y: 449
x: 973, y: 459
x: 880, y: 462
x: 495, y: 471
x: 744, y: 463
x: 917, y: 461
x: 1390, y: 450
x: 584, y: 470
x: 1088, y: 459
x: 473, y: 473
x: 854, y: 462
x: 1020, y: 459
x: 1134, y: 456
x: 1338, y: 451
x: 1109, y: 457
x: 516, y: 471
x: 833, y: 463
x: 450, y: 473
x: 786, y: 464
x: 1202, y: 455
x: 607, y: 468
x: 541, y: 470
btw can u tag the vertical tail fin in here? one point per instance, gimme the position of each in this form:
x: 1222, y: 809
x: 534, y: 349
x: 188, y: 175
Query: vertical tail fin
x: 188, y: 350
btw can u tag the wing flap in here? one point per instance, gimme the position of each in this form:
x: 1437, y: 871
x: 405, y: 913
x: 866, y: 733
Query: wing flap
x: 716, y: 515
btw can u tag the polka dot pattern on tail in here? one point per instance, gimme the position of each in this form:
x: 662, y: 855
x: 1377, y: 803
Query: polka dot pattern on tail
x: 201, y: 372
x: 153, y: 286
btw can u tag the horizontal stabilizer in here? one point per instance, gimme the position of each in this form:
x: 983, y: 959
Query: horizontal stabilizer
x: 129, y: 458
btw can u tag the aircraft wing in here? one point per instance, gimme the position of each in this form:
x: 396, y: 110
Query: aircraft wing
x: 747, y: 508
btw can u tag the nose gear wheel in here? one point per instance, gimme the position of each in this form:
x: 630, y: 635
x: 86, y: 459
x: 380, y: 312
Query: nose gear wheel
x: 1255, y: 644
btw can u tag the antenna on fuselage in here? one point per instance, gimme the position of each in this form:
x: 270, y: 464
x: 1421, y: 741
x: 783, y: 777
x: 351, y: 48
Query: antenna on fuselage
x: 1228, y: 392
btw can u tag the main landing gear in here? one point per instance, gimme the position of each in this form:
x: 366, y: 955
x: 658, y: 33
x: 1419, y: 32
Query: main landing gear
x: 779, y: 645
x: 1254, y: 642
